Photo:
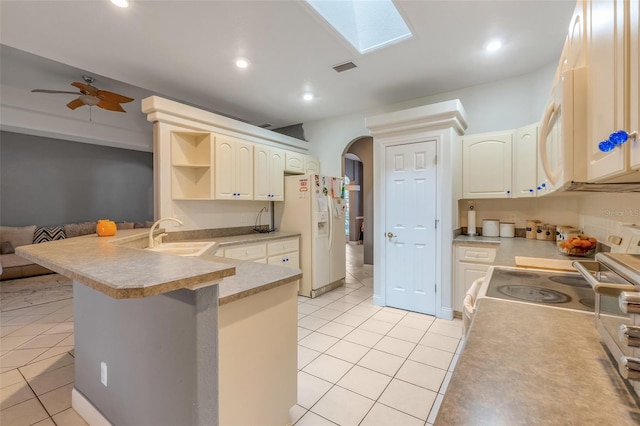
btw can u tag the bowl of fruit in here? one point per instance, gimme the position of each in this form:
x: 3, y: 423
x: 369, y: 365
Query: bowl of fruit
x: 578, y: 245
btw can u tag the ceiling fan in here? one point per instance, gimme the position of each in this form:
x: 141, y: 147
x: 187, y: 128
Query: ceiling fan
x: 92, y: 96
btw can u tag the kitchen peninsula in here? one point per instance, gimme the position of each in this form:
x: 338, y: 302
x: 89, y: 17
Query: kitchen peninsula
x: 149, y: 332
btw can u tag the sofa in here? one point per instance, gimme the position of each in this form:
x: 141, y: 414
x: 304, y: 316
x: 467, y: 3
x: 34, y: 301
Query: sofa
x: 13, y: 266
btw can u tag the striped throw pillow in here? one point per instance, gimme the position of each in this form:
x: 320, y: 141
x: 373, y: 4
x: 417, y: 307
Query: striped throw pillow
x: 44, y: 234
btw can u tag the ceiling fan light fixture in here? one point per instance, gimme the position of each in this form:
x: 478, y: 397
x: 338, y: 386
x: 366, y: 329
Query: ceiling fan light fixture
x: 89, y: 100
x: 121, y: 3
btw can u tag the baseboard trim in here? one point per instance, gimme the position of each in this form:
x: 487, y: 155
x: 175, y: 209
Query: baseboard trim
x: 367, y: 267
x: 86, y: 410
x: 446, y: 313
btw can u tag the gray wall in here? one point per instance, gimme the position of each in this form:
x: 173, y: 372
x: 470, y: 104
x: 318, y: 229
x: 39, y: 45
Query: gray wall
x: 363, y: 148
x: 161, y: 355
x: 46, y: 182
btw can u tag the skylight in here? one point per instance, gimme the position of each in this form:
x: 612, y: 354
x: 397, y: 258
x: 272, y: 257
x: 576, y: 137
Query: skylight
x: 367, y: 25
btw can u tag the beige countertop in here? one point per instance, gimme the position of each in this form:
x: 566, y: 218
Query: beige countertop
x: 526, y: 364
x: 119, y: 267
x: 509, y: 248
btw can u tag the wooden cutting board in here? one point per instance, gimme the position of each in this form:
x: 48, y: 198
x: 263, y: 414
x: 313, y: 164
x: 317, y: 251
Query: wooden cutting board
x: 542, y: 263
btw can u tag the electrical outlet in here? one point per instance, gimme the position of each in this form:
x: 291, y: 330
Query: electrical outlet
x: 103, y: 373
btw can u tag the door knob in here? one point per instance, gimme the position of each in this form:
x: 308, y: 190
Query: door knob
x: 390, y: 235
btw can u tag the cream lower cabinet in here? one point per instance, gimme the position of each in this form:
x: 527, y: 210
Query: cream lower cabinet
x: 233, y: 169
x: 283, y: 252
x: 268, y: 173
x: 471, y: 262
x: 253, y: 252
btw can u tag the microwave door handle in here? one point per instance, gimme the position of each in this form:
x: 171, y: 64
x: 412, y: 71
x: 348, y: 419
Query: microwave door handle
x: 544, y: 127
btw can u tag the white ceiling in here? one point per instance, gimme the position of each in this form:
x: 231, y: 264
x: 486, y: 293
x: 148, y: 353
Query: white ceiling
x: 184, y: 50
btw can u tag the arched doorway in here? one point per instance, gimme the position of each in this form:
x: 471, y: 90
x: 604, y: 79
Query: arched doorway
x: 357, y: 164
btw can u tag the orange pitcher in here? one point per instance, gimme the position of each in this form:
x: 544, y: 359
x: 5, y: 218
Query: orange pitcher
x: 106, y: 228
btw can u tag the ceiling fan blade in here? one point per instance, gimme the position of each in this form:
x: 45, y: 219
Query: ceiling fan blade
x: 113, y: 97
x: 75, y: 103
x: 111, y: 106
x: 85, y: 87
x: 53, y: 91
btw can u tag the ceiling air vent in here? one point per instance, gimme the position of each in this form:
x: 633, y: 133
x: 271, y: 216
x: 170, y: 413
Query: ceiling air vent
x: 345, y: 67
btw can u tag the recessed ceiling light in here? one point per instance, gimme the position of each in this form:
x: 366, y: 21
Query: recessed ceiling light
x: 493, y: 46
x: 120, y: 3
x: 242, y: 63
x: 307, y: 96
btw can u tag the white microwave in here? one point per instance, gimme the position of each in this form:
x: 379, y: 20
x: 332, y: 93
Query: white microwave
x: 564, y: 126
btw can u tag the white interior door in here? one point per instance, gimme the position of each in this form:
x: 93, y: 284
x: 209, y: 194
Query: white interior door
x: 410, y: 216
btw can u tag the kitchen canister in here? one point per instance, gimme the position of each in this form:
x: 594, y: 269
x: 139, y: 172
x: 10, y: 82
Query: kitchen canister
x: 507, y: 229
x: 491, y: 228
x: 531, y: 230
x: 541, y: 231
x: 551, y: 233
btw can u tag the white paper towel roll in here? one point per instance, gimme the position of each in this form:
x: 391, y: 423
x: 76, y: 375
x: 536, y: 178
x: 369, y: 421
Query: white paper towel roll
x: 471, y: 222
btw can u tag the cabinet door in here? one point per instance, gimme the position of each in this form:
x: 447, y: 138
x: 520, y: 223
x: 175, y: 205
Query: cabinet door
x: 576, y: 40
x: 466, y: 274
x: 525, y: 161
x: 486, y: 165
x: 244, y: 170
x: 261, y: 184
x: 605, y: 107
x: 276, y: 174
x: 634, y: 81
x: 311, y: 165
x: 268, y: 174
x: 225, y: 181
x: 234, y: 169
x: 294, y: 162
x: 288, y: 260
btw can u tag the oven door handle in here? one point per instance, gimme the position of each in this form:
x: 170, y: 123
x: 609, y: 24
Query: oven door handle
x: 606, y: 289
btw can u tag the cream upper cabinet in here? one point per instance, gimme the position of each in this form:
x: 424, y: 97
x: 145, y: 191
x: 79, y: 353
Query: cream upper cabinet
x: 268, y: 178
x: 233, y: 169
x: 525, y: 162
x: 634, y: 81
x: 311, y: 165
x: 486, y: 165
x: 606, y: 78
x: 294, y: 162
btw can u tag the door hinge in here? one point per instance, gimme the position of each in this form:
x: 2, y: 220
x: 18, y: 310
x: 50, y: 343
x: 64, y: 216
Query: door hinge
x: 435, y: 160
x: 436, y: 223
x: 435, y: 289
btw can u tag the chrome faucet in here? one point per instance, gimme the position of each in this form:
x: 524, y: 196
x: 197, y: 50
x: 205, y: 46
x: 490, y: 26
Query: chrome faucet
x: 158, y: 240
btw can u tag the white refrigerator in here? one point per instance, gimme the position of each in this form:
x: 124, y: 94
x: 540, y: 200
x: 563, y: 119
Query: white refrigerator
x: 314, y: 206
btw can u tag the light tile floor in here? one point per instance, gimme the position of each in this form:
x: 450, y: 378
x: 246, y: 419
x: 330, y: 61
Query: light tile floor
x: 361, y: 364
x: 358, y: 364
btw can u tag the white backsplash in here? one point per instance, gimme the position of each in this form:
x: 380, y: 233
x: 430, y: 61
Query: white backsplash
x: 551, y: 210
x: 598, y: 215
x: 602, y: 214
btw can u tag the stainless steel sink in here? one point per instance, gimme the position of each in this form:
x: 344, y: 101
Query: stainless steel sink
x: 185, y: 248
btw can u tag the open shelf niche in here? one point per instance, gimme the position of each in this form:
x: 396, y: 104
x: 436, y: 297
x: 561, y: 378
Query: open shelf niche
x: 191, y: 164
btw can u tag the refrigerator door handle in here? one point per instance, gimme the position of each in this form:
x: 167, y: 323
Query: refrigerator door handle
x: 330, y: 233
